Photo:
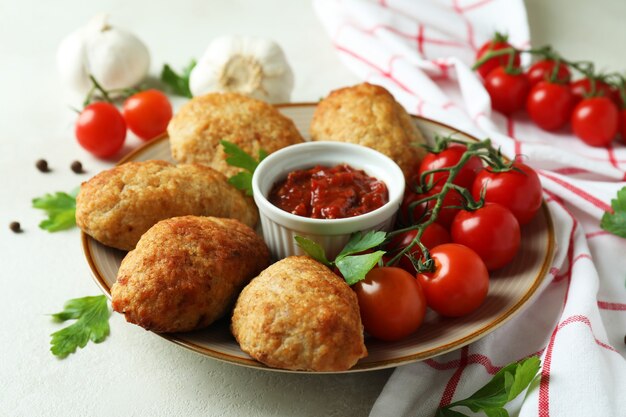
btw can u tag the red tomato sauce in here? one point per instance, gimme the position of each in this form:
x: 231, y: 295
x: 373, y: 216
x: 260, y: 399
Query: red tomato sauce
x: 329, y: 192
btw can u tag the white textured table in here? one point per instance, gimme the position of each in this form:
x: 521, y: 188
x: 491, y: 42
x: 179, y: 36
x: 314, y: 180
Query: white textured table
x: 135, y: 372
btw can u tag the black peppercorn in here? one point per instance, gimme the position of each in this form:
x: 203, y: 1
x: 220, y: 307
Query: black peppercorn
x: 42, y: 165
x: 15, y: 227
x: 77, y: 167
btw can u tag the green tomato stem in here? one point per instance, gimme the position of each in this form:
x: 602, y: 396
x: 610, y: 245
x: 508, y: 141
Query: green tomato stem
x: 586, y: 68
x: 494, y: 54
x: 98, y: 87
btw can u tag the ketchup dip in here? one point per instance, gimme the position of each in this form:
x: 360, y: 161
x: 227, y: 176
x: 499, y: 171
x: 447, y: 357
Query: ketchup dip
x: 329, y: 192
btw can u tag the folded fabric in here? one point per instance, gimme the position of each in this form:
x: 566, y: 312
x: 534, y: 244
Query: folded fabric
x: 421, y: 51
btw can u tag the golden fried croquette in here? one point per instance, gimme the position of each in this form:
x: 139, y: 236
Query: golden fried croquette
x: 186, y: 271
x: 368, y: 115
x: 118, y: 205
x: 196, y: 130
x: 297, y: 314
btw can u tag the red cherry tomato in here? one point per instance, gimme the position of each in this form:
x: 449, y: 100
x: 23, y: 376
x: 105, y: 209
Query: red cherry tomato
x: 448, y: 211
x: 448, y: 158
x: 584, y: 87
x: 391, y: 302
x: 422, y: 211
x: 459, y: 283
x: 520, y: 192
x: 101, y: 129
x: 595, y: 120
x: 543, y: 70
x: 508, y: 92
x: 619, y: 101
x: 550, y: 105
x: 412, y: 215
x: 491, y: 231
x: 495, y: 44
x: 147, y: 113
x: 434, y: 235
x: 622, y: 116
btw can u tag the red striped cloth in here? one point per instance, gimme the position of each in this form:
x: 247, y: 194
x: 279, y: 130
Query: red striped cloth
x: 421, y: 52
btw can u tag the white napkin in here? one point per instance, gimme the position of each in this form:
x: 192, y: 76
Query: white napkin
x: 421, y: 52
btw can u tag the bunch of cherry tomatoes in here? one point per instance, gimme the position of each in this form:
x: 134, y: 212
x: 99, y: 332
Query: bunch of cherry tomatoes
x: 101, y: 127
x: 461, y: 218
x: 594, y: 105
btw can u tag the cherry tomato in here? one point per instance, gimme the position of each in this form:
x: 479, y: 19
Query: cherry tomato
x: 447, y: 211
x: 391, y: 302
x: 619, y: 101
x: 520, y: 192
x: 622, y: 115
x: 583, y: 87
x: 147, y: 113
x: 448, y: 158
x: 508, y: 92
x: 491, y: 231
x: 596, y: 120
x: 421, y: 211
x: 459, y: 283
x: 542, y: 71
x: 498, y: 43
x: 550, y: 105
x: 434, y: 235
x: 410, y: 216
x: 101, y: 129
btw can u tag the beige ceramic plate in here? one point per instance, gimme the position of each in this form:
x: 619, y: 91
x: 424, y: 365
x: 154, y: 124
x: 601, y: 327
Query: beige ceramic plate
x: 511, y: 288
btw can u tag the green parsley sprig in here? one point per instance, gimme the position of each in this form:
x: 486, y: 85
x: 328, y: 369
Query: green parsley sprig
x: 615, y: 221
x: 505, y: 386
x: 92, y: 323
x: 60, y: 208
x: 237, y: 157
x: 351, y: 262
x: 178, y: 83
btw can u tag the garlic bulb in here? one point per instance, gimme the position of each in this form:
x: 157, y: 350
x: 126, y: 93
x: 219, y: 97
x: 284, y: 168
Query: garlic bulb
x: 255, y: 67
x: 116, y: 58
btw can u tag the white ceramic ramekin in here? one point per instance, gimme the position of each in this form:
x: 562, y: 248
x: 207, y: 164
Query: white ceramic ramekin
x: 280, y: 227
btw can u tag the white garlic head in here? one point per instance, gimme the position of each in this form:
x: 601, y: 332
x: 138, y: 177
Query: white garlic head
x: 255, y: 67
x: 117, y: 59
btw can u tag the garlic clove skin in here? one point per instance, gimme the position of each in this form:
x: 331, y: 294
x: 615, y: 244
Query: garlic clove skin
x: 115, y: 57
x: 255, y: 67
x: 70, y: 57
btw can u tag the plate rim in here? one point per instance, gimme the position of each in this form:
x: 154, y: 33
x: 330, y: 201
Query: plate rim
x: 359, y: 367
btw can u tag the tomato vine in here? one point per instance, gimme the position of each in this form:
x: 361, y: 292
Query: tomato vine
x: 424, y: 183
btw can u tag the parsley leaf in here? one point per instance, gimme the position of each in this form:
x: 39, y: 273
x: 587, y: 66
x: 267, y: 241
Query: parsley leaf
x: 352, y: 264
x: 237, y: 157
x: 92, y: 323
x: 446, y: 412
x: 242, y: 181
x: 355, y: 267
x: 60, y: 208
x: 507, y: 384
x: 359, y: 243
x: 615, y: 222
x: 179, y: 84
x: 313, y: 249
